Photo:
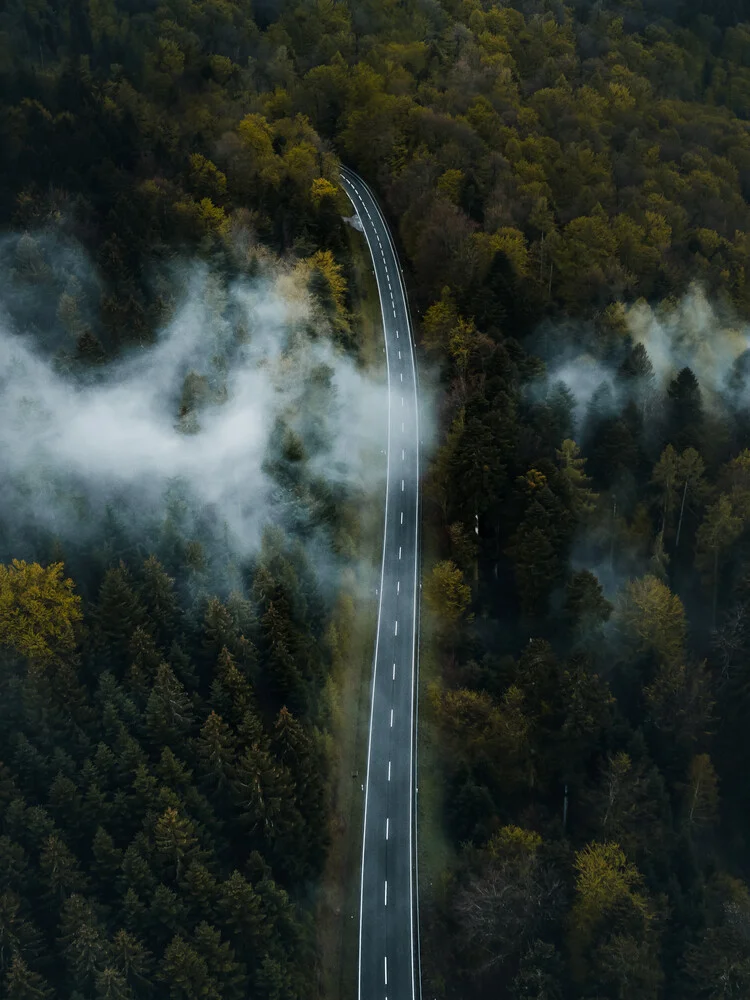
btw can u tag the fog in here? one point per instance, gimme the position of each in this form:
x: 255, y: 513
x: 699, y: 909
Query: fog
x: 691, y: 332
x: 74, y: 450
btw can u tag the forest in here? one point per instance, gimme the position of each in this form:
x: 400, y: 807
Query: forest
x: 569, y: 186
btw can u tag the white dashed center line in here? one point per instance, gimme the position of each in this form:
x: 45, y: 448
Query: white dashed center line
x: 386, y: 828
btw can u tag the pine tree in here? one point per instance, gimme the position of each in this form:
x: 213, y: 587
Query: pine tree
x: 231, y: 693
x: 144, y: 659
x: 82, y: 942
x: 582, y: 498
x: 306, y: 763
x: 220, y: 959
x: 637, y: 377
x: 666, y: 479
x: 157, y: 594
x: 535, y: 561
x: 176, y: 842
x: 720, y: 529
x: 685, y: 411
x: 21, y: 983
x: 169, y: 713
x: 242, y: 912
x: 185, y: 974
x: 107, y: 858
x: 110, y: 984
x: 118, y: 614
x: 220, y: 631
x: 13, y: 865
x: 133, y: 960
x: 585, y: 607
x: 216, y: 748
x: 18, y: 936
x: 284, y: 680
x: 60, y: 870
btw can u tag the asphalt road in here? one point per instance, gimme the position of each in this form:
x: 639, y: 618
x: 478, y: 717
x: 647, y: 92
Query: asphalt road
x: 388, y: 911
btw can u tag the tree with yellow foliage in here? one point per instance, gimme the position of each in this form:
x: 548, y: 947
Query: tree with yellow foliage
x: 649, y: 614
x: 448, y: 596
x: 39, y: 613
x: 609, y: 895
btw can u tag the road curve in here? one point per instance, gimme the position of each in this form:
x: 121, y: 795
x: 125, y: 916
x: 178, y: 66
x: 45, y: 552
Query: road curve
x: 388, y: 918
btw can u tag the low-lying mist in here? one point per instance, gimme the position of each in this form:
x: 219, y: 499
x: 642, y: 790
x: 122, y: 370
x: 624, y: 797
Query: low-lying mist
x: 691, y: 332
x: 244, y: 413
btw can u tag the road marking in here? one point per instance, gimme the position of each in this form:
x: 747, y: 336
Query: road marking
x: 387, y: 821
x: 395, y: 631
x: 399, y: 551
x: 402, y: 400
x: 398, y: 586
x: 394, y: 671
x: 389, y: 770
x: 385, y: 968
x: 402, y: 517
x: 402, y: 454
x: 394, y: 313
x: 385, y: 900
x: 402, y: 486
x: 396, y: 334
x: 391, y: 718
x: 402, y: 376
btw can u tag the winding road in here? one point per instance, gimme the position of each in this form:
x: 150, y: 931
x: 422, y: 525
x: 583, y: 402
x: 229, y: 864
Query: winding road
x: 388, y: 923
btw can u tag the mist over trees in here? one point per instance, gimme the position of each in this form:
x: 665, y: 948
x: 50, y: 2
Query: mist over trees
x: 569, y: 188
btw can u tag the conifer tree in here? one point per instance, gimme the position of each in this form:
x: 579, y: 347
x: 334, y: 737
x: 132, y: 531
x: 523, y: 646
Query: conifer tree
x: 157, y: 594
x: 22, y: 983
x: 169, y: 713
x: 118, y: 614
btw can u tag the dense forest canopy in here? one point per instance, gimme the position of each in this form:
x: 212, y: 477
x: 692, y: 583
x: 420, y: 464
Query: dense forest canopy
x: 570, y: 189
